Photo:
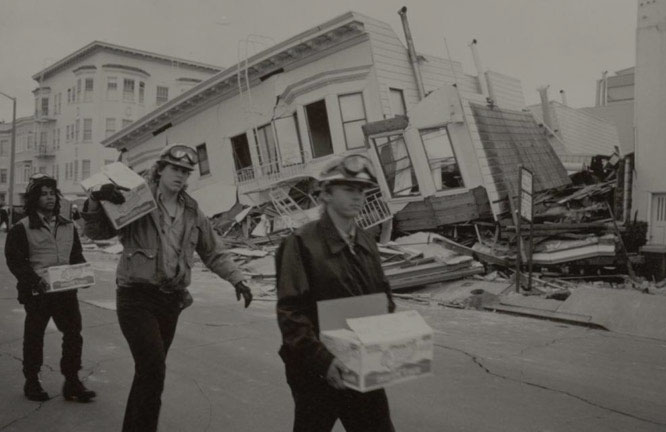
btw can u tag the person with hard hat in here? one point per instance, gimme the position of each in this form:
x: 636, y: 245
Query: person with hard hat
x: 155, y: 270
x: 327, y: 259
x: 44, y: 239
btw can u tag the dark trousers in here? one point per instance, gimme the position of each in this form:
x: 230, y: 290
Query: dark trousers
x: 64, y: 309
x: 148, y: 321
x: 319, y: 406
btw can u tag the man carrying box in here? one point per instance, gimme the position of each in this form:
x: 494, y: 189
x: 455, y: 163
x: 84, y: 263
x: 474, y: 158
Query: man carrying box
x: 41, y: 240
x: 155, y: 270
x: 328, y: 259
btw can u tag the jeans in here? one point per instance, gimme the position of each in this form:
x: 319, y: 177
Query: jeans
x: 319, y: 406
x: 63, y: 307
x: 148, y: 319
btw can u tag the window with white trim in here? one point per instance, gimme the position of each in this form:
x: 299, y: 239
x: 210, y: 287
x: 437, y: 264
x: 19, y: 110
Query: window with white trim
x: 128, y: 90
x: 204, y: 163
x: 87, y: 129
x: 110, y: 127
x: 88, y: 90
x: 142, y: 91
x: 352, y: 113
x: 162, y: 95
x: 85, y: 169
x: 112, y: 88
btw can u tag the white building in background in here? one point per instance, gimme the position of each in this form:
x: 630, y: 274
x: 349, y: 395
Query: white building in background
x: 304, y: 101
x: 649, y: 197
x: 90, y: 95
x: 27, y: 158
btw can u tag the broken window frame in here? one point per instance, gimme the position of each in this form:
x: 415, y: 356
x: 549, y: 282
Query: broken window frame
x: 390, y: 177
x: 439, y: 184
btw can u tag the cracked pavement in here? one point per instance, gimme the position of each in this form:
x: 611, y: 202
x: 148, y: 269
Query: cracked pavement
x: 492, y: 372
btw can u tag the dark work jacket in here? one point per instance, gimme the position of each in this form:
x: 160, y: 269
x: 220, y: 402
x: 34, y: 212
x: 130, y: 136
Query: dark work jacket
x: 17, y: 252
x: 313, y: 264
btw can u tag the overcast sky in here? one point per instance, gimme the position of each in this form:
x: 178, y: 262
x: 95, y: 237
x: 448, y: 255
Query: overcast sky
x: 564, y: 43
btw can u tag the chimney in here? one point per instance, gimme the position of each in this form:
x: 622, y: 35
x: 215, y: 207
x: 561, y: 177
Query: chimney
x: 545, y: 108
x: 563, y: 95
x: 604, y: 88
x: 412, y: 52
x: 480, y: 73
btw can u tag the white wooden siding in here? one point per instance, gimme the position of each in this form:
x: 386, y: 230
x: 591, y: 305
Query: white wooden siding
x: 394, y: 70
x: 583, y: 133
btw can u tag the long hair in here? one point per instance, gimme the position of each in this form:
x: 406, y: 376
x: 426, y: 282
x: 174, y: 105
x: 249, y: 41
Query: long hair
x: 154, y: 173
x: 32, y: 200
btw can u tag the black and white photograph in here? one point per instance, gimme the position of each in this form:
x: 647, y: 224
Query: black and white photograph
x: 328, y: 216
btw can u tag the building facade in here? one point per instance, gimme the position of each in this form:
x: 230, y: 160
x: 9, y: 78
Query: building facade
x: 295, y: 106
x: 649, y: 196
x: 90, y: 95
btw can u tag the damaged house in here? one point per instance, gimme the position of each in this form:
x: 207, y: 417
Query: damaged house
x: 446, y: 144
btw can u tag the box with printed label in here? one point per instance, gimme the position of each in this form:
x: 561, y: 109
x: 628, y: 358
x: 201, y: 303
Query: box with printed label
x: 68, y: 277
x: 139, y: 199
x: 382, y: 350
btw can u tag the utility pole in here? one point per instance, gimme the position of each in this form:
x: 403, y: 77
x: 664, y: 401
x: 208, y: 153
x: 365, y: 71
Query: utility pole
x: 12, y: 157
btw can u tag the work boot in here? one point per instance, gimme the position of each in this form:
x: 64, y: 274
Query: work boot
x: 74, y: 390
x: 33, y: 390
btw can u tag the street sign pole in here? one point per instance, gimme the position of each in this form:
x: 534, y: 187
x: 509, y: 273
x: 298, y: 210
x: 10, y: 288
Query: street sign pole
x: 526, y: 182
x: 519, y: 258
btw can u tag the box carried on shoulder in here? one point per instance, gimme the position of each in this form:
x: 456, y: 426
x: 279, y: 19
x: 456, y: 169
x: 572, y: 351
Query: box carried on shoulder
x: 139, y: 199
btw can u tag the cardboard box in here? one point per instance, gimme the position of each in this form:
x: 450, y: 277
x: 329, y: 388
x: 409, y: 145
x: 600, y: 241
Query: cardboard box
x: 139, y: 199
x: 68, y: 277
x: 382, y: 350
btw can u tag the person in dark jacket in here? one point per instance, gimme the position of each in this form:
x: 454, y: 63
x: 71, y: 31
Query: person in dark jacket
x: 328, y: 259
x: 43, y: 239
x: 154, y: 273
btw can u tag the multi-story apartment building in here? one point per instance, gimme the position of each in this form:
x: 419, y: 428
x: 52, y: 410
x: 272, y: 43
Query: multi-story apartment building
x: 28, y: 160
x: 91, y: 94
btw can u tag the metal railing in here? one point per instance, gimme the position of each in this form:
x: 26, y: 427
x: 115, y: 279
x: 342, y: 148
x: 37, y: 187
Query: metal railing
x: 375, y: 210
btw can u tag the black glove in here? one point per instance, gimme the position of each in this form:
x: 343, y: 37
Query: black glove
x: 243, y: 290
x: 109, y: 192
x: 42, y: 287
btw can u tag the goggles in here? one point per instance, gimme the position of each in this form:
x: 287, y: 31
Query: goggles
x: 353, y: 167
x: 40, y: 176
x: 180, y: 152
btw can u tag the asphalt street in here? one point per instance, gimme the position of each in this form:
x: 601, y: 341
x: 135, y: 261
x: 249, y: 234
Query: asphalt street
x: 493, y: 372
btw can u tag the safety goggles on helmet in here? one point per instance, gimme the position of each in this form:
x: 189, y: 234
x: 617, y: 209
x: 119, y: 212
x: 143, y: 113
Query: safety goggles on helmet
x: 351, y: 169
x: 40, y: 176
x: 40, y: 179
x: 179, y: 153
